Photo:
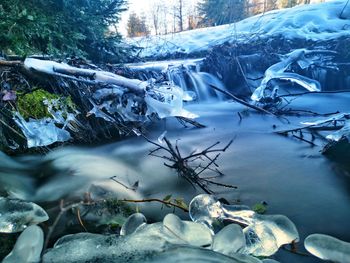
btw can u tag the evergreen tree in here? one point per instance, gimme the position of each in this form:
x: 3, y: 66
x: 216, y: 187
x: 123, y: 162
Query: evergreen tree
x: 219, y: 12
x: 137, y: 26
x: 60, y: 27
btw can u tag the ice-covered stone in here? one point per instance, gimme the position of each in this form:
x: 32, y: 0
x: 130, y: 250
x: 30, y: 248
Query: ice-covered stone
x: 132, y: 223
x: 229, y: 240
x: 17, y: 215
x: 191, y: 233
x: 28, y: 246
x: 328, y: 248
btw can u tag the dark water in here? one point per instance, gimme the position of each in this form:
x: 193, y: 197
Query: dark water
x: 294, y: 178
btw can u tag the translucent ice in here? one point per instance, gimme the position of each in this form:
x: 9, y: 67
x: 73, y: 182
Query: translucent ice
x: 206, y: 209
x: 268, y: 233
x: 167, y: 101
x: 17, y: 215
x: 191, y: 233
x: 41, y: 132
x: 328, y: 248
x: 229, y: 240
x: 133, y: 222
x: 264, y: 234
x: 28, y: 246
x: 195, y: 255
x: 304, y: 58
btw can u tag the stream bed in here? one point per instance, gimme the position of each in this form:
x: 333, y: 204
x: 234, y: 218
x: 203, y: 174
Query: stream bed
x: 292, y: 177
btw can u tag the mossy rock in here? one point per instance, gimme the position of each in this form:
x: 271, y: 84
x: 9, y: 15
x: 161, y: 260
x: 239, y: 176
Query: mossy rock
x: 31, y: 105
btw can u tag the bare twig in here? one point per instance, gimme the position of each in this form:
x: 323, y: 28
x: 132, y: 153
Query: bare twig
x: 185, y: 167
x: 167, y: 203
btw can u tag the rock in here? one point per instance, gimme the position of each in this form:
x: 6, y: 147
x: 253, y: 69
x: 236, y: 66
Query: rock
x: 28, y: 246
x: 16, y: 215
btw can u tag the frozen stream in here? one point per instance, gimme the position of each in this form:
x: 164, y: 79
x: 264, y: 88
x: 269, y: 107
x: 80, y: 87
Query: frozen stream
x: 292, y: 177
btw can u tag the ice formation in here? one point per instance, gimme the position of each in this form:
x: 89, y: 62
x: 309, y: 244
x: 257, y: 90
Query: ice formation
x: 305, y: 58
x: 264, y: 234
x: 132, y: 223
x: 28, y: 247
x: 328, y: 248
x: 41, y: 132
x: 342, y: 133
x: 172, y: 240
x: 167, y: 101
x: 17, y: 215
x: 229, y: 240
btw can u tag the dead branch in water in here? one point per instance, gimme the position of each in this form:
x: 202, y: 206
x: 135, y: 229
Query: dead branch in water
x: 186, y: 167
x: 229, y: 94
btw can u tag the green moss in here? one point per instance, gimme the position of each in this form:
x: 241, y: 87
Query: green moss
x: 32, y: 104
x: 260, y: 208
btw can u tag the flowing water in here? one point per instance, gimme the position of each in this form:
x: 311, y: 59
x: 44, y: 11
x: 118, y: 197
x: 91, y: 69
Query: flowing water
x: 292, y: 177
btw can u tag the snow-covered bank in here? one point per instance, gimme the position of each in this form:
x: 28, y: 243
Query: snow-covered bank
x: 316, y: 22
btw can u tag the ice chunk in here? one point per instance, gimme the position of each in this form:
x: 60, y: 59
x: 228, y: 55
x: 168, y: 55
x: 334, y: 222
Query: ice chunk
x: 28, y: 246
x: 41, y: 132
x: 17, y: 215
x: 328, y: 248
x: 268, y: 233
x: 229, y: 240
x: 264, y: 234
x: 132, y: 223
x: 192, y: 233
x: 85, y: 247
x: 206, y: 209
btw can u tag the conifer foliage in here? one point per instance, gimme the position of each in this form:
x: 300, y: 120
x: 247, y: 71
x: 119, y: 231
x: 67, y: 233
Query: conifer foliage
x: 64, y: 27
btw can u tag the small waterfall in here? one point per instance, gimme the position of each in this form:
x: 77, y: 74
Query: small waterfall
x: 185, y: 74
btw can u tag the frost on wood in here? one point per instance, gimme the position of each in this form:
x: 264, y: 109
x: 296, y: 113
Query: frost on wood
x: 17, y: 215
x: 129, y: 100
x: 305, y: 59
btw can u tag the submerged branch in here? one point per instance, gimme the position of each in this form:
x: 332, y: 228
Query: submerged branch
x: 254, y: 107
